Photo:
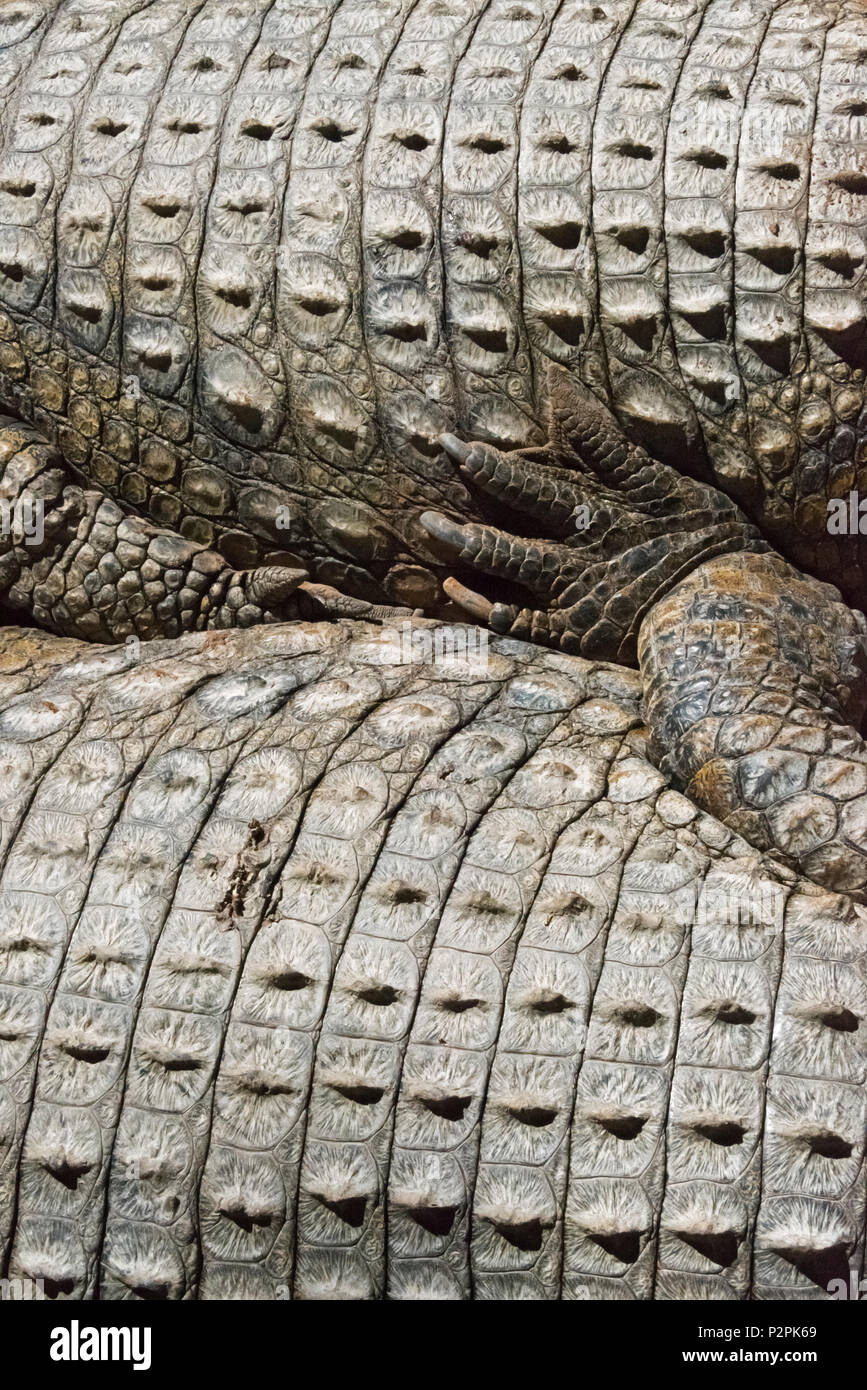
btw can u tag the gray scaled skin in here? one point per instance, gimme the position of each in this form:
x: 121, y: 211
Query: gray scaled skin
x: 329, y: 974
x: 265, y: 267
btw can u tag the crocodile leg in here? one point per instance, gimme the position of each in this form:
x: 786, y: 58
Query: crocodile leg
x: 754, y: 686
x: 754, y: 674
x: 625, y: 528
x: 84, y: 567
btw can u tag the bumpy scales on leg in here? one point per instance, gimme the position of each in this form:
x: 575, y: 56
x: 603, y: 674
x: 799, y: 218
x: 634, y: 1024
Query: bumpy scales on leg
x: 87, y: 568
x: 754, y: 674
x: 623, y: 529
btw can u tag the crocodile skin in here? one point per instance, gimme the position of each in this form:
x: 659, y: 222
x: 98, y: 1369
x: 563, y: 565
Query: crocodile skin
x: 337, y: 966
x: 330, y: 973
x: 256, y: 258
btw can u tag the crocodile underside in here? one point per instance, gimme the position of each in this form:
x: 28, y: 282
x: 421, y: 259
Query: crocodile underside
x: 255, y: 257
x: 349, y: 962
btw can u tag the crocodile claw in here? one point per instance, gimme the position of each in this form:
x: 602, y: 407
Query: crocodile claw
x: 456, y: 448
x: 619, y: 529
x: 534, y: 563
x: 528, y: 624
x: 322, y: 601
x: 475, y: 605
x: 530, y: 480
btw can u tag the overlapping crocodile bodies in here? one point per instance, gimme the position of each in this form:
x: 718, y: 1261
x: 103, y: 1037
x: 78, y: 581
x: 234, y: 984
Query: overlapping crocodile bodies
x: 319, y: 234
x: 331, y: 971
x: 342, y: 962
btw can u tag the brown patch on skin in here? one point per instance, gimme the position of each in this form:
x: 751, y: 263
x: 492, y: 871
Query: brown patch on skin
x: 247, y: 870
x: 215, y: 640
x: 714, y: 788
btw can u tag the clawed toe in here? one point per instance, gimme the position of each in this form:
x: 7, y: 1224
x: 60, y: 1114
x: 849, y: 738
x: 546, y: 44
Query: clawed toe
x: 446, y: 533
x: 271, y: 585
x: 456, y: 448
x: 619, y: 529
x: 529, y: 480
x: 476, y: 606
x: 319, y: 601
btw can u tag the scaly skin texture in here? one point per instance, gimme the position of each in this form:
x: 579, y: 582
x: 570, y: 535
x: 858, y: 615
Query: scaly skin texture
x: 261, y: 255
x: 105, y: 573
x: 329, y: 974
x: 264, y: 267
x: 754, y: 678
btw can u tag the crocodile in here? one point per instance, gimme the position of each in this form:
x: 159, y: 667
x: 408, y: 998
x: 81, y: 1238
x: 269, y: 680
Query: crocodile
x: 344, y: 962
x: 363, y: 291
x: 265, y: 266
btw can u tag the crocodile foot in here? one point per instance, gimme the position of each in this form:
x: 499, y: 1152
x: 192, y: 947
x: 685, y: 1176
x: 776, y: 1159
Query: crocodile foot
x: 83, y: 567
x: 620, y: 529
x: 755, y: 676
